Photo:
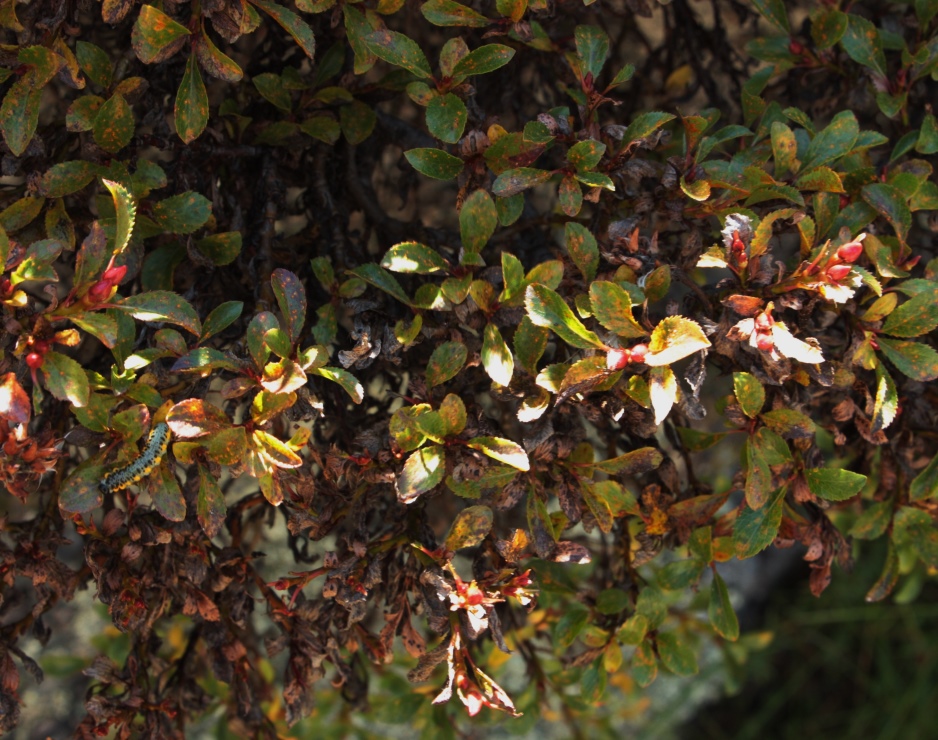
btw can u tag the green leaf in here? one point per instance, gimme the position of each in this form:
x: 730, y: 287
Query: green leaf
x: 65, y: 379
x: 292, y: 24
x: 571, y: 623
x: 357, y: 121
x: 445, y: 362
x: 820, y: 178
x: 925, y: 484
x: 516, y: 180
x: 644, y: 665
x: 271, y: 88
x: 680, y: 574
x: 585, y: 155
x: 774, y: 12
x: 529, y: 341
x: 503, y: 450
x: 833, y: 484
x: 94, y: 62
x: 154, y: 33
x: 220, y: 249
x: 114, y: 124
x: 592, y: 46
x: 890, y: 203
x: 183, y: 213
x: 546, y: 308
x: 927, y: 142
x: 676, y: 655
x: 914, y: 317
x: 323, y: 128
x: 383, y: 280
x: 221, y: 317
x: 66, y: 178
x: 914, y: 359
x: 887, y: 579
x: 828, y: 27
x: 673, y: 339
x: 399, y: 50
x: 570, y: 195
x: 872, y: 523
x: 645, y: 124
x: 162, y: 305
x: 413, y: 257
x: 612, y: 601
x: 211, y: 509
x: 446, y: 118
x: 833, y: 142
x: 478, y: 218
x: 191, y: 109
x: 758, y: 486
x: 422, y: 472
x: 450, y: 13
x: 784, y: 148
x: 214, y: 62
x: 756, y: 528
x: 788, y: 422
x: 720, y: 611
x: 434, y: 163
x: 483, y: 60
x: 496, y: 357
x: 862, y: 43
x: 749, y: 393
x: 612, y: 307
x: 469, y: 528
x: 581, y: 245
x: 345, y: 379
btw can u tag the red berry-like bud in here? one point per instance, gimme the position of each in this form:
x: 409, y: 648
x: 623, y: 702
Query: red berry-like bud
x: 34, y: 360
x: 638, y: 352
x: 765, y: 342
x: 616, y: 359
x: 850, y: 252
x: 99, y: 291
x: 836, y: 273
x: 796, y: 48
x: 114, y: 274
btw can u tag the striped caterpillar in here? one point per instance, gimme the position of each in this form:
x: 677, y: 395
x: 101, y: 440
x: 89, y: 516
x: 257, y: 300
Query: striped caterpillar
x: 139, y: 468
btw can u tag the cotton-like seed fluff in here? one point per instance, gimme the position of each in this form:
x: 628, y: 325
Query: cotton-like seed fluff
x: 141, y: 467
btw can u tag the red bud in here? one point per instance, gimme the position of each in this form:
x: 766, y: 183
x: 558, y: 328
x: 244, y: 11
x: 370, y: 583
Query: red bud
x: 34, y: 360
x: 850, y: 252
x: 796, y: 48
x: 765, y: 342
x: 616, y: 359
x: 836, y: 273
x: 638, y: 352
x: 114, y: 274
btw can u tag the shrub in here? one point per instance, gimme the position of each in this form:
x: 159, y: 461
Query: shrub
x: 441, y: 294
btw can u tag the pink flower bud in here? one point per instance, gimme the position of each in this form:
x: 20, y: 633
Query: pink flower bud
x: 616, y: 359
x: 638, y: 352
x: 850, y: 252
x: 765, y: 342
x: 836, y: 273
x: 114, y: 274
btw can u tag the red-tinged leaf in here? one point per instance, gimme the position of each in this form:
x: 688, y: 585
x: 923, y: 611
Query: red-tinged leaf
x: 519, y: 179
x: 95, y: 63
x: 291, y: 297
x: 211, y: 509
x: 445, y: 362
x: 399, y: 50
x: 546, y: 308
x: 446, y: 118
x: 214, y: 62
x: 570, y: 196
x: 483, y: 60
x: 673, y: 339
x: 422, y: 472
x: 66, y: 178
x: 183, y: 213
x: 756, y: 529
x: 226, y: 447
x: 891, y: 204
x: 65, y: 379
x: 19, y: 115
x: 43, y: 64
x: 749, y: 393
x: 469, y: 528
x: 114, y: 11
x: 292, y: 24
x: 191, y: 108
x: 434, y: 163
x: 114, y: 124
x: 834, y: 484
x: 156, y: 36
x: 720, y: 611
x: 512, y: 9
x: 163, y: 305
x: 14, y: 401
x: 450, y: 13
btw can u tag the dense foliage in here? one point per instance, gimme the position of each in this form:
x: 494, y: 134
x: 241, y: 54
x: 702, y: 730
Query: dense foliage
x: 434, y: 304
